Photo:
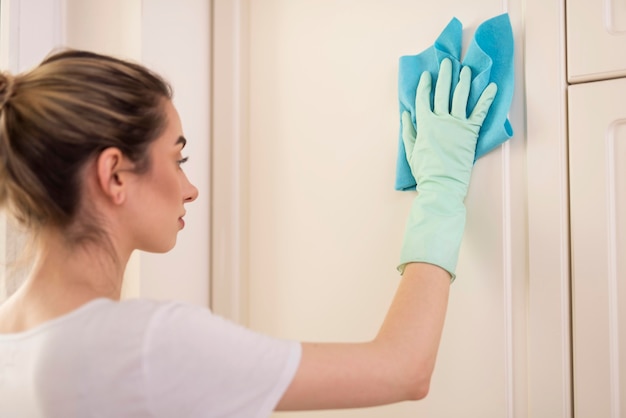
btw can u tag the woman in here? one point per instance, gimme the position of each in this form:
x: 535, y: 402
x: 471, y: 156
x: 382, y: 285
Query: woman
x: 90, y: 163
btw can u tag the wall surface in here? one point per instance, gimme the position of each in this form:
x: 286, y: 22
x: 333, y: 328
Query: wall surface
x: 176, y: 42
x: 148, y: 32
x: 324, y: 223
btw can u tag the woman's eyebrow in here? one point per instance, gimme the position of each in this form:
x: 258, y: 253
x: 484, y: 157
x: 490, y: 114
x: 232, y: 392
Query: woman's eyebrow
x: 181, y: 140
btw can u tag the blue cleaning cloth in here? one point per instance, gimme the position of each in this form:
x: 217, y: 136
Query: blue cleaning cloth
x: 490, y: 57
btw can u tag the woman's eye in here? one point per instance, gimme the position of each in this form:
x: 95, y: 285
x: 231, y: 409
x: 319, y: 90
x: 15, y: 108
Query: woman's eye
x: 182, y: 161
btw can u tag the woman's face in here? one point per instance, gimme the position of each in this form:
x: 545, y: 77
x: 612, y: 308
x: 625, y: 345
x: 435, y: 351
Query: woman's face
x: 163, y: 190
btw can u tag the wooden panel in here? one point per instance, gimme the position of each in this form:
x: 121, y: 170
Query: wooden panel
x: 541, y: 288
x: 549, y: 334
x: 598, y: 197
x: 596, y: 39
x: 229, y: 167
x: 325, y: 224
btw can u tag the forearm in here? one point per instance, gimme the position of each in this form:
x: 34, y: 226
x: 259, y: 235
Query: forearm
x: 412, y: 329
x: 395, y: 366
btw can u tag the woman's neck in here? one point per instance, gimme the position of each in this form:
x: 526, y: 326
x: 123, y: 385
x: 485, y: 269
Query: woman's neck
x: 89, y: 267
x: 62, y: 279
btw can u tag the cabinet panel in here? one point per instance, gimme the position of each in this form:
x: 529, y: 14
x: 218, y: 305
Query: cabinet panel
x: 325, y: 225
x: 596, y: 39
x: 598, y: 221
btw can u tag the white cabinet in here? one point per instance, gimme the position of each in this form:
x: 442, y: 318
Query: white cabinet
x: 306, y: 106
x: 325, y: 223
x: 597, y: 143
x: 596, y: 39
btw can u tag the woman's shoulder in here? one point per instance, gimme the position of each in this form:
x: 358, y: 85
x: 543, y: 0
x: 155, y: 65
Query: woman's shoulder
x: 143, y: 313
x: 102, y: 317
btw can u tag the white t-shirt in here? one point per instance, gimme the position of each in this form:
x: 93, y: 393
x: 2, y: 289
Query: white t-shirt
x: 141, y: 358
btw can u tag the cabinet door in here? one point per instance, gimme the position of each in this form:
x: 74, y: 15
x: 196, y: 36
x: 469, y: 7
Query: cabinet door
x: 596, y: 39
x: 598, y: 221
x: 325, y: 224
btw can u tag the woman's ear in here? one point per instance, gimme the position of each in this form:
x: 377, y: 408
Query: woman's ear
x: 113, y: 170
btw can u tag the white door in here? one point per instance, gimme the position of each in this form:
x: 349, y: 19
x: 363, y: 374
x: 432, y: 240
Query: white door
x: 597, y: 138
x: 325, y: 224
x: 596, y: 39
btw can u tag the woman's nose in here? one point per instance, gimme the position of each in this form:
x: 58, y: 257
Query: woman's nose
x: 191, y: 192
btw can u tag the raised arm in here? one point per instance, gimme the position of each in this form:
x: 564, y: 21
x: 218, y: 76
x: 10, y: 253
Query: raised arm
x: 397, y: 365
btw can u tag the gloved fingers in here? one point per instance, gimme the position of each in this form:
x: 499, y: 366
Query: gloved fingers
x: 461, y: 94
x: 484, y: 103
x: 408, y: 134
x: 422, y: 94
x: 442, y: 88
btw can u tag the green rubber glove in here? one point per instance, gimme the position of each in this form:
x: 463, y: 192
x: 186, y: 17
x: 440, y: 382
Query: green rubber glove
x: 441, y: 157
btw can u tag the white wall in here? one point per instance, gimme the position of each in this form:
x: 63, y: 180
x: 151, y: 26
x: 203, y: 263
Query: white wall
x: 176, y: 39
x: 172, y: 38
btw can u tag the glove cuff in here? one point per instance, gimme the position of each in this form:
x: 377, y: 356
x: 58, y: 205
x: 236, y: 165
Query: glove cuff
x: 434, y: 231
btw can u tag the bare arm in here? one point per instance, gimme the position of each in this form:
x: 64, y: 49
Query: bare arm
x: 397, y: 365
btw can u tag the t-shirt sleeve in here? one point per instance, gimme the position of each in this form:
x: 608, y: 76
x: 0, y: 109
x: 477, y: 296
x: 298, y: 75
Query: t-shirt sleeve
x: 197, y: 364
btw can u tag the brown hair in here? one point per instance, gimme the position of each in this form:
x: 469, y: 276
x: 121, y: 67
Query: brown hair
x: 57, y: 116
